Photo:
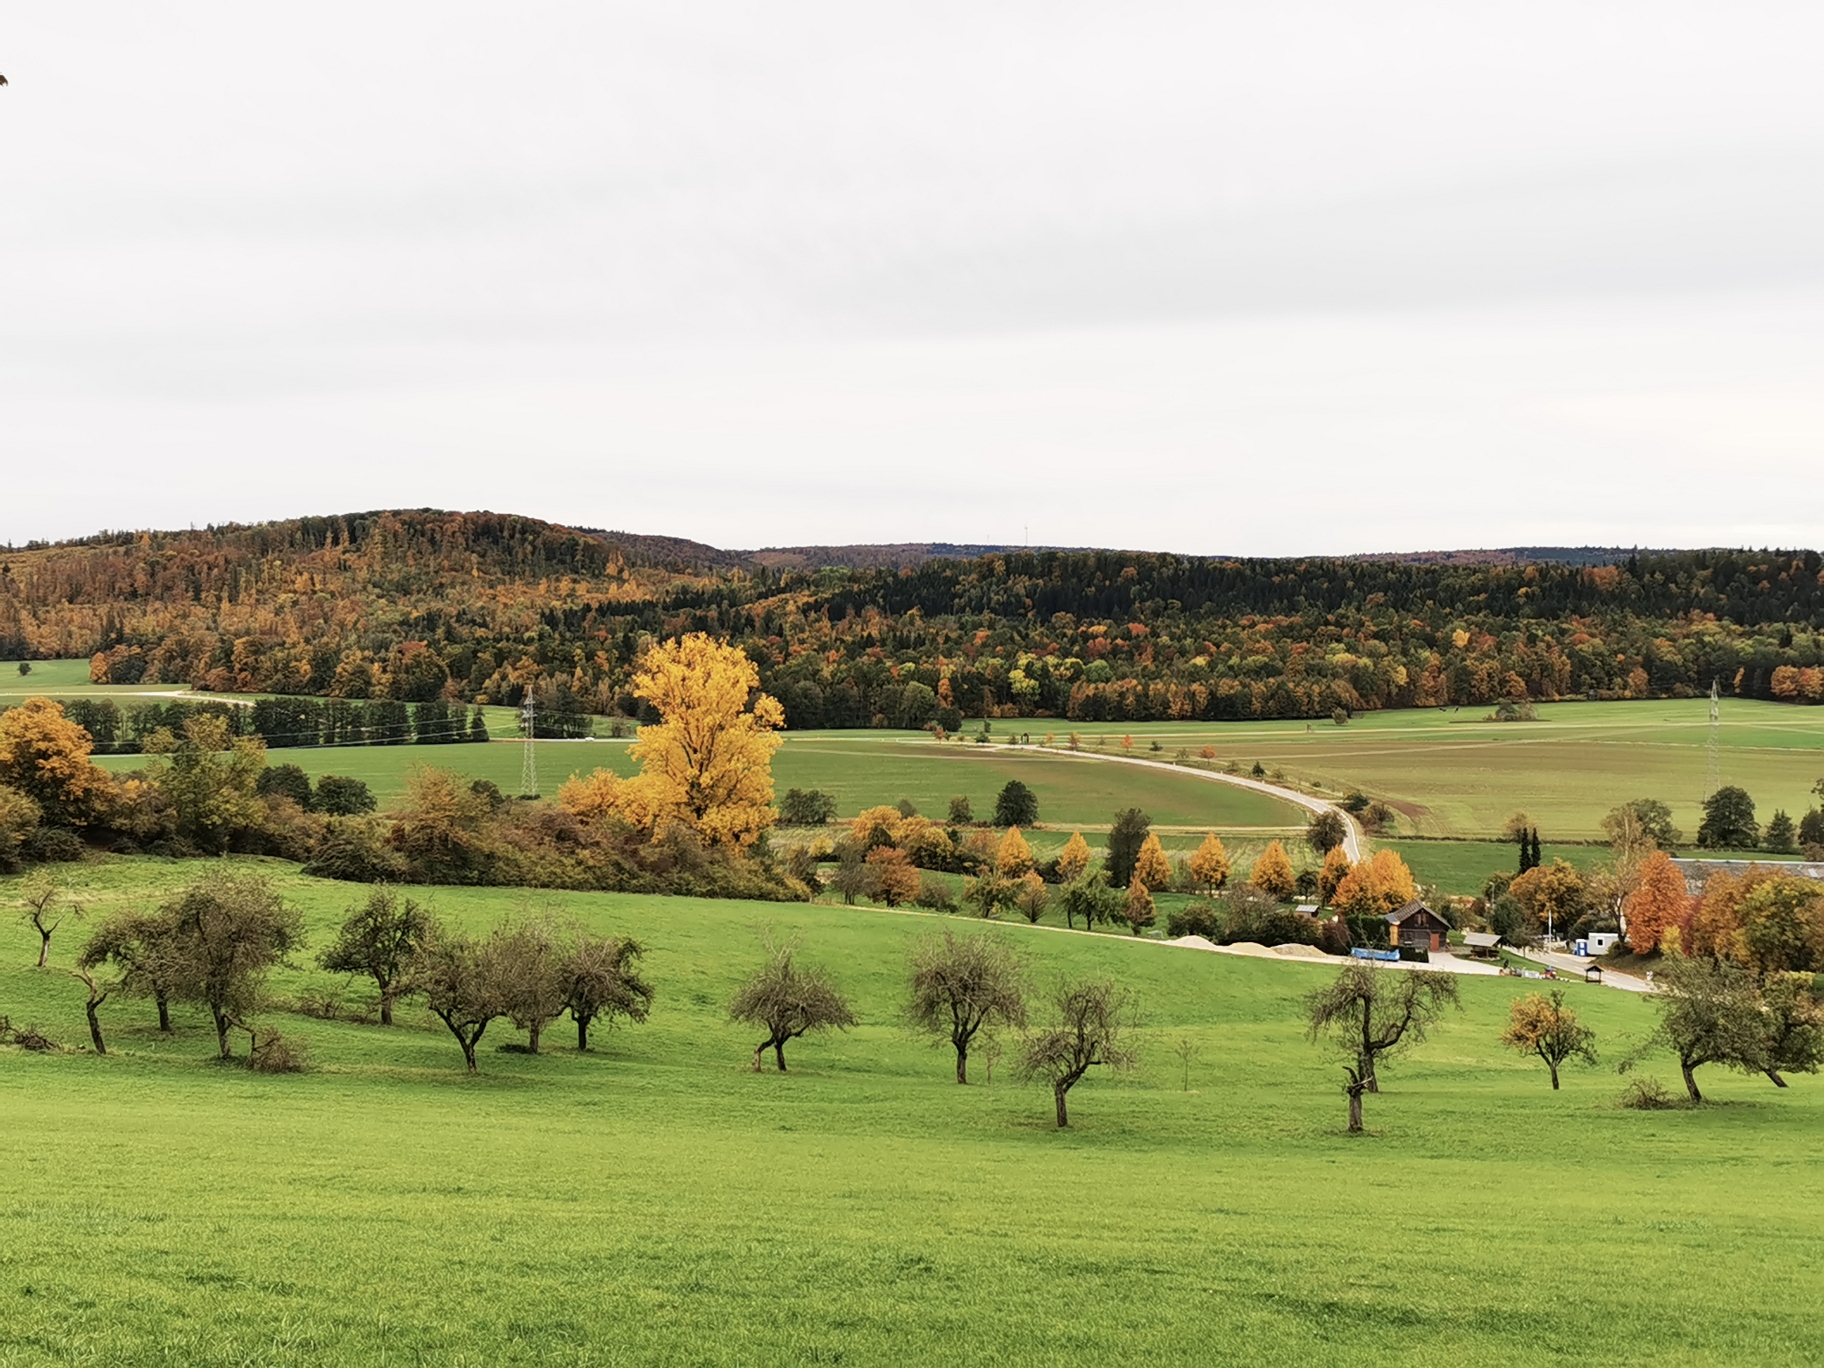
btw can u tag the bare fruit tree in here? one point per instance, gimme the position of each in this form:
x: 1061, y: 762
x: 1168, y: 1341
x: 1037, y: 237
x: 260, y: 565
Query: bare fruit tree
x: 1094, y: 1023
x: 788, y: 1001
x: 45, y: 909
x: 961, y: 984
x: 1369, y: 1014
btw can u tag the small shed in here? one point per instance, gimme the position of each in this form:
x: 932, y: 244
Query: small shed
x: 1482, y: 944
x: 1416, y: 927
x: 1592, y: 973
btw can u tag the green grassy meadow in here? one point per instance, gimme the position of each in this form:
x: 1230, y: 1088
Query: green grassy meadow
x: 655, y: 1201
x: 1453, y: 774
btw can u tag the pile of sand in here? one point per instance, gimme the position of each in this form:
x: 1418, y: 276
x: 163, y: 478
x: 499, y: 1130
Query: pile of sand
x: 1310, y: 952
x: 1195, y: 943
x: 1254, y: 948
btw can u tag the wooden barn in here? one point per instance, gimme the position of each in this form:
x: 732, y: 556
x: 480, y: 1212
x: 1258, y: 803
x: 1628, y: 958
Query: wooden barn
x: 1416, y: 927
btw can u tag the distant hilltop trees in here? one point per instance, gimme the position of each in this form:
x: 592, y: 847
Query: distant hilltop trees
x: 424, y: 606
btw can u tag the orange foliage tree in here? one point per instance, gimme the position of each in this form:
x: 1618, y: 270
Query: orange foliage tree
x: 1074, y: 858
x: 1272, y: 872
x: 1151, y: 866
x: 45, y: 756
x: 1210, y: 863
x: 1336, y: 866
x: 1658, y: 903
x: 1014, y: 858
x: 1376, y: 886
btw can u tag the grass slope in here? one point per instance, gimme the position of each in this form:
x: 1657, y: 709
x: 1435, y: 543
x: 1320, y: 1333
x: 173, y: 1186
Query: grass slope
x: 657, y: 1202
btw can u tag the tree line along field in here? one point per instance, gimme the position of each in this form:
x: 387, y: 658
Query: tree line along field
x: 657, y: 1201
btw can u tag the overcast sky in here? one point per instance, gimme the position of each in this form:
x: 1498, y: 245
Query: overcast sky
x: 1270, y: 277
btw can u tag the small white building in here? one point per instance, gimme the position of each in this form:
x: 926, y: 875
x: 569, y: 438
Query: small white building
x: 1598, y: 942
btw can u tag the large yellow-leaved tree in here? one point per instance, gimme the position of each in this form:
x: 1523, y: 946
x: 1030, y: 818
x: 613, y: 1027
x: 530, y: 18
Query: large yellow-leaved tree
x: 1151, y: 866
x: 1272, y: 872
x: 1074, y: 858
x: 1210, y: 863
x: 707, y: 764
x: 45, y: 756
x: 1014, y: 858
x: 1376, y: 886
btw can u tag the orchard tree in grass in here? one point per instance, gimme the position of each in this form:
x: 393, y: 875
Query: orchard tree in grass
x: 458, y: 977
x: 1089, y: 898
x: 1151, y: 867
x: 1092, y: 1025
x: 961, y: 985
x: 528, y: 963
x: 143, y: 948
x: 1016, y: 805
x: 99, y: 993
x: 788, y: 1000
x: 1074, y: 858
x: 1792, y: 1026
x: 229, y: 931
x: 1326, y: 831
x: 378, y: 940
x: 601, y: 982
x: 1781, y: 926
x: 1137, y: 908
x: 44, y: 908
x: 1032, y: 897
x: 1370, y: 1014
x: 1544, y: 1026
x: 1125, y: 838
x: 1272, y: 872
x: 1014, y: 857
x: 1710, y: 1013
x: 1210, y: 866
x: 990, y: 892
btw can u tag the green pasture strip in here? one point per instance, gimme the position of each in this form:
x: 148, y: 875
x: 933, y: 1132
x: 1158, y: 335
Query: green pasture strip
x: 658, y: 1202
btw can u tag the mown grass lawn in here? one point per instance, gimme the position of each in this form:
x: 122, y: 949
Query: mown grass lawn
x: 657, y: 1202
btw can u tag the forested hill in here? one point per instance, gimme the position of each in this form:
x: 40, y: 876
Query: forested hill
x: 482, y: 607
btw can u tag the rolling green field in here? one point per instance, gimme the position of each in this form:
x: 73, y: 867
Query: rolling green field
x: 860, y: 769
x: 657, y: 1202
x: 1452, y: 774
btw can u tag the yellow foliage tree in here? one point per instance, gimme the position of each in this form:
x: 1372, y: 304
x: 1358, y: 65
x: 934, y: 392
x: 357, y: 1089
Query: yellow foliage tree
x: 1556, y: 893
x: 1151, y: 866
x: 1014, y: 858
x: 1336, y: 867
x: 45, y: 756
x: 1210, y: 863
x: 1272, y: 872
x: 1376, y: 886
x: 895, y: 879
x: 877, y: 826
x: 1074, y: 858
x: 708, y: 762
x: 593, y: 796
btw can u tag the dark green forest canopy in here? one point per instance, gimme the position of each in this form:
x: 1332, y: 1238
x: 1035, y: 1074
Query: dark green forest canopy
x: 484, y: 607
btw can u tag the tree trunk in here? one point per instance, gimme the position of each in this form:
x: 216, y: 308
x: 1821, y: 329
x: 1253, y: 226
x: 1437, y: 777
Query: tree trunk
x: 759, y: 1050
x: 962, y: 1061
x: 1355, y: 1113
x: 468, y: 1051
x: 164, y: 1012
x: 779, y: 1054
x: 44, y: 947
x: 582, y: 1033
x: 101, y: 1047
x: 1060, y: 1091
x: 221, y: 1031
x: 532, y: 1033
x: 1369, y: 1081
x: 386, y: 1008
x: 1774, y: 1074
x: 1691, y: 1082
x: 1554, y: 1068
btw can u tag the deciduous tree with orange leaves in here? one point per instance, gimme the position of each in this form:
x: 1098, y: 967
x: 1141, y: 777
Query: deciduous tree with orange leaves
x: 1658, y: 903
x: 1376, y: 886
x: 1014, y: 858
x: 1151, y: 867
x: 708, y: 763
x: 1210, y: 863
x: 1336, y: 866
x: 1272, y: 872
x: 1074, y: 858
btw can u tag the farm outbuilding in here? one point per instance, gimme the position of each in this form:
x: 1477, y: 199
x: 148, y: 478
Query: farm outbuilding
x: 1416, y: 927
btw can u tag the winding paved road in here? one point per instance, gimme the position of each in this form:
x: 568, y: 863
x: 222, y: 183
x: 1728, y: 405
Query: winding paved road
x: 1352, y: 843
